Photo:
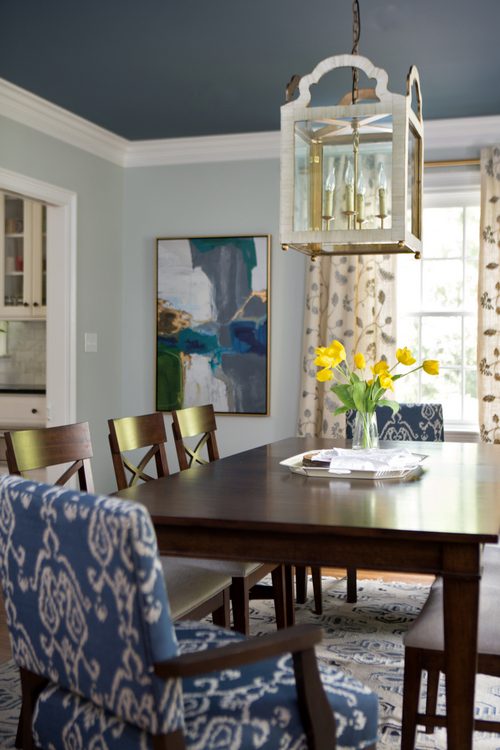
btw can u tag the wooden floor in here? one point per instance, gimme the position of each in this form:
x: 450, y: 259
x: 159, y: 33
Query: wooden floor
x: 5, y: 652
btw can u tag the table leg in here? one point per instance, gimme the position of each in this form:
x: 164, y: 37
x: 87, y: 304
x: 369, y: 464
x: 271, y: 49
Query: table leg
x: 460, y: 611
x: 290, y: 601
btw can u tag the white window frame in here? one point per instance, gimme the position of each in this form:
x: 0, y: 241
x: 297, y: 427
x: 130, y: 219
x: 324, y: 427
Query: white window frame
x: 443, y: 188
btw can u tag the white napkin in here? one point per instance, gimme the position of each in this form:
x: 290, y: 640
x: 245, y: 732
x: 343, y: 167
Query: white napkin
x: 379, y: 460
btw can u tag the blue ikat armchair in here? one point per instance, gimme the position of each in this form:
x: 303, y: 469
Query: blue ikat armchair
x: 422, y: 422
x: 103, y: 665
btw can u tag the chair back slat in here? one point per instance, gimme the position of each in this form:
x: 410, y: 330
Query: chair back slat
x: 133, y: 433
x: 192, y: 422
x: 420, y: 422
x: 88, y: 608
x: 27, y: 450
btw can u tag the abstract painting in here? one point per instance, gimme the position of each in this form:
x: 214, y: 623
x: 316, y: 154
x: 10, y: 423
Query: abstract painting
x: 212, y: 323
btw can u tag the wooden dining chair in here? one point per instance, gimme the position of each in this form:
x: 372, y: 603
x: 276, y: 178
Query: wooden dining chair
x: 27, y: 450
x: 147, y: 431
x: 419, y: 422
x: 201, y: 593
x: 424, y: 652
x: 198, y: 424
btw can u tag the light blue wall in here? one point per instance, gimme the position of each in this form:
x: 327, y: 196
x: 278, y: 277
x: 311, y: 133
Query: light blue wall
x: 98, y: 185
x: 207, y: 200
x: 120, y: 213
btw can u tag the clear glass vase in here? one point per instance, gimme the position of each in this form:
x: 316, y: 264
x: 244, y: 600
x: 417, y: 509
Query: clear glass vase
x: 365, y: 433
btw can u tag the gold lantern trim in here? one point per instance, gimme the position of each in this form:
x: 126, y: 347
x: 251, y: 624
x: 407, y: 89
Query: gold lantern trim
x: 351, y: 174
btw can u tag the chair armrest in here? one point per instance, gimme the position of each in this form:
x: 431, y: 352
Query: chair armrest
x: 290, y: 640
x: 315, y: 711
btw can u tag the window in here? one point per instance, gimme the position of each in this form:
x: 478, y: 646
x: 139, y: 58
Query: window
x: 437, y: 306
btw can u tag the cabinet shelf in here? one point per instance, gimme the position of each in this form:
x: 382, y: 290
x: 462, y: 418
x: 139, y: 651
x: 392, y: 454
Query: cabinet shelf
x: 23, y: 258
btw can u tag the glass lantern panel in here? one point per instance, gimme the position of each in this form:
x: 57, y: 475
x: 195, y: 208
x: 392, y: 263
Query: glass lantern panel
x: 301, y: 182
x: 343, y: 172
x: 413, y: 208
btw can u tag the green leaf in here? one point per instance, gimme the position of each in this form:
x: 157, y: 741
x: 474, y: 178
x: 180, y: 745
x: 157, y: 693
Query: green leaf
x: 393, y: 404
x: 343, y: 393
x: 358, y: 395
x: 341, y: 410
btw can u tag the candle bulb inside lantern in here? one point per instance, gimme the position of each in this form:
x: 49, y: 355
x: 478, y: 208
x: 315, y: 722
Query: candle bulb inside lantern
x: 360, y: 198
x: 382, y: 191
x: 329, y: 191
x: 349, y: 188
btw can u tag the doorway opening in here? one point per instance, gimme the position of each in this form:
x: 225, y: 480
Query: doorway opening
x: 61, y: 291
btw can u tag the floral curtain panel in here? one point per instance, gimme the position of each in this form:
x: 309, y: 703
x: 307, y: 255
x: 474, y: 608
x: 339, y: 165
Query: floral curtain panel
x: 488, y: 334
x: 352, y: 299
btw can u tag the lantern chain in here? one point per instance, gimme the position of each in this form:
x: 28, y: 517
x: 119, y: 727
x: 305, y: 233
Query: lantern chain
x: 356, y: 33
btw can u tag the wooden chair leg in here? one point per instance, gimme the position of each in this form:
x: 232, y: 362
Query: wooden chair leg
x: 222, y: 616
x: 431, y: 696
x: 318, y: 596
x: 31, y: 687
x: 173, y: 741
x: 300, y: 584
x: 241, y: 608
x: 290, y: 600
x: 19, y: 733
x: 411, y: 695
x: 352, y: 586
x: 278, y: 577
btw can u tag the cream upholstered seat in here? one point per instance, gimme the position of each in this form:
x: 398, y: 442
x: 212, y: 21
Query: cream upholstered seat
x: 190, y: 587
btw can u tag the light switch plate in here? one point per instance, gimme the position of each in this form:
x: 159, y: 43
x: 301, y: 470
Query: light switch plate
x: 91, y: 342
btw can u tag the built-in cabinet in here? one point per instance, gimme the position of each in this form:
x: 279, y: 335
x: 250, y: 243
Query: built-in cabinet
x: 23, y: 258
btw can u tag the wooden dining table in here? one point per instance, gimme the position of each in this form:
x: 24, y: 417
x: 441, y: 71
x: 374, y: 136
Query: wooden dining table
x: 250, y: 507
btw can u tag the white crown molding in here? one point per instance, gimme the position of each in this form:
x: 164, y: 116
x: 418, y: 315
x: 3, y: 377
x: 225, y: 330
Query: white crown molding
x: 35, y: 112
x: 462, y: 133
x: 212, y: 148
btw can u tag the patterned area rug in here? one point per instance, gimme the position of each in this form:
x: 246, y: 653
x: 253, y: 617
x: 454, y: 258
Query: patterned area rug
x: 363, y: 639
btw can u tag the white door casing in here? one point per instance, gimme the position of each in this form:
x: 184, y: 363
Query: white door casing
x: 61, y: 290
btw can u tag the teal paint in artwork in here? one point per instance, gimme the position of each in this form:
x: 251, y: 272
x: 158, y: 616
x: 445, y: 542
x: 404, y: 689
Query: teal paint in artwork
x: 246, y: 245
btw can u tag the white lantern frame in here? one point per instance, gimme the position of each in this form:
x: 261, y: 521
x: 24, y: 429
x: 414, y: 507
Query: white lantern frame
x: 404, y: 209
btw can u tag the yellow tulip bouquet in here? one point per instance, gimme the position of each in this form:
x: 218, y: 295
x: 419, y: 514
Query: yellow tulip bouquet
x: 357, y: 393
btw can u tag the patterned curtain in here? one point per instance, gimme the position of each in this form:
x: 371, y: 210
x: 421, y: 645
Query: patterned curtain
x: 351, y: 299
x: 488, y: 334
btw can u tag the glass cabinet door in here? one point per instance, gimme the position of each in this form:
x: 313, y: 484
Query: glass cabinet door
x: 23, y: 258
x: 14, y: 253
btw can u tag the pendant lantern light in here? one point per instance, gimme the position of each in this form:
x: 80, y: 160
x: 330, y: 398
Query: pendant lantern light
x: 351, y: 173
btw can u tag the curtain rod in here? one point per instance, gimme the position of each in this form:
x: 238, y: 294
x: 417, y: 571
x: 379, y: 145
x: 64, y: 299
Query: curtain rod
x: 452, y: 163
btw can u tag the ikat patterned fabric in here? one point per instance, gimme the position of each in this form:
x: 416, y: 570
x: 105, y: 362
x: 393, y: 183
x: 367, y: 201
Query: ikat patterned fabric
x: 87, y: 606
x: 411, y: 422
x: 85, y: 599
x: 352, y: 299
x: 488, y: 334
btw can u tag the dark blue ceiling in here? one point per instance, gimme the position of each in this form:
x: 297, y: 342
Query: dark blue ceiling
x: 160, y: 69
